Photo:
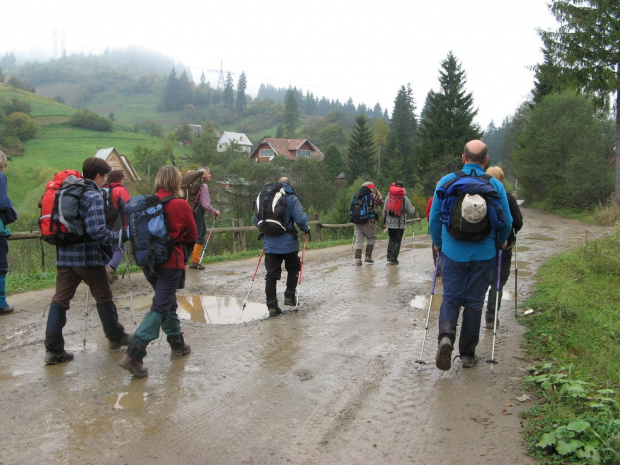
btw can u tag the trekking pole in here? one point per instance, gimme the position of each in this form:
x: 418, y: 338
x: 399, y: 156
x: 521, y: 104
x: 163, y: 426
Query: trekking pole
x: 301, y: 270
x: 516, y: 275
x: 204, y: 249
x: 492, y: 360
x: 133, y: 308
x: 86, y: 324
x: 428, y: 315
x: 253, y: 278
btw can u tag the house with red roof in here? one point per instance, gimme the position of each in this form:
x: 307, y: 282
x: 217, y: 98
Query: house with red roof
x: 293, y: 149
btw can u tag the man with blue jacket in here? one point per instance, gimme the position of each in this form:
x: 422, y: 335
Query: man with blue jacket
x: 284, y: 248
x: 467, y: 266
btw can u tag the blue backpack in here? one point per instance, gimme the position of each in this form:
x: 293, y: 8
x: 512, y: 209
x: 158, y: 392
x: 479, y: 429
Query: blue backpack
x: 148, y: 230
x: 470, y: 207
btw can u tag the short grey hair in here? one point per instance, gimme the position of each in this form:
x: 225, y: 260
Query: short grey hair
x: 2, y: 157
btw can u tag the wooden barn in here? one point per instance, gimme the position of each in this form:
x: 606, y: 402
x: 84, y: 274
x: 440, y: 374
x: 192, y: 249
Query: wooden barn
x: 119, y: 162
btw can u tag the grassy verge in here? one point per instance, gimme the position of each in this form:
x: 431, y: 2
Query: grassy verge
x: 574, y: 336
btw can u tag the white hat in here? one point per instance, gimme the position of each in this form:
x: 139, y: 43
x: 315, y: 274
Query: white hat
x: 473, y: 208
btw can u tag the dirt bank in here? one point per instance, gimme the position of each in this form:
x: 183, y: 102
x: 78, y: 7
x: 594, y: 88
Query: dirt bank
x: 333, y: 383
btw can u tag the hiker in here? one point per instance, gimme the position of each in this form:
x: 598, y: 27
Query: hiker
x: 200, y: 200
x: 6, y: 209
x: 284, y: 248
x: 119, y: 197
x: 429, y: 204
x: 366, y: 227
x: 166, y: 278
x: 397, y: 205
x: 85, y: 261
x: 467, y: 263
x: 517, y: 224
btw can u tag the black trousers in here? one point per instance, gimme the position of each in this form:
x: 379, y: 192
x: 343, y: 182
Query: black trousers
x: 273, y: 265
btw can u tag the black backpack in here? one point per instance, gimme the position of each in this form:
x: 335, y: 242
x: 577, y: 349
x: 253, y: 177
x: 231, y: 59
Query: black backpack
x: 113, y: 215
x: 270, y: 209
x: 359, y: 210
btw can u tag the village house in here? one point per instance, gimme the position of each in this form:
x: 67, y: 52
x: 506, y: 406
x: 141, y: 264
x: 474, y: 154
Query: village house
x: 292, y: 149
x: 238, y: 138
x: 119, y: 162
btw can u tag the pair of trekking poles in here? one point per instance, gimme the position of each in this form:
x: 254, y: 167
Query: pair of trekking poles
x: 492, y: 360
x: 301, y: 270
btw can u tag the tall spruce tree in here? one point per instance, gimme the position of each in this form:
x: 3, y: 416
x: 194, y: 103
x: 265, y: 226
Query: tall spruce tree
x: 361, y: 152
x: 291, y: 116
x: 446, y: 125
x: 241, y: 86
x: 229, y: 93
x: 546, y: 75
x: 398, y: 162
x: 171, y: 92
x: 587, y: 53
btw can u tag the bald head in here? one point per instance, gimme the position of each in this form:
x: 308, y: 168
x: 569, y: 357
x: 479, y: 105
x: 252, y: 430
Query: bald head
x: 476, y: 151
x: 284, y: 180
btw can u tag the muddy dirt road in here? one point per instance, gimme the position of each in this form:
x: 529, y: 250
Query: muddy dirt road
x: 333, y: 383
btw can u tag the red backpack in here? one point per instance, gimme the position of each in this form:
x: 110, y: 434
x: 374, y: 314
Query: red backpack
x: 59, y: 221
x: 395, y: 204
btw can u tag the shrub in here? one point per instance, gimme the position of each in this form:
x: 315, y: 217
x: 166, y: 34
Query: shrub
x: 89, y: 120
x: 21, y: 126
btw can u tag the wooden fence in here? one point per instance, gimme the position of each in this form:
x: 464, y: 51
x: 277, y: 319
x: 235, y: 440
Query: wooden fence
x: 238, y: 229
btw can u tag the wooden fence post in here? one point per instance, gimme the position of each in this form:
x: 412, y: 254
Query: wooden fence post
x: 244, y: 245
x: 234, y: 235
x: 318, y: 227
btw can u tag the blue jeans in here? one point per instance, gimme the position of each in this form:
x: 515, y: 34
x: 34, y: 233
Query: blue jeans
x: 464, y: 285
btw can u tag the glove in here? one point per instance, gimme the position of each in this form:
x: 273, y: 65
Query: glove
x: 309, y: 235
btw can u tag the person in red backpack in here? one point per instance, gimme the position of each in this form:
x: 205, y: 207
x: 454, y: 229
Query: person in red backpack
x: 86, y: 261
x: 166, y: 278
x: 120, y: 196
x: 395, y: 210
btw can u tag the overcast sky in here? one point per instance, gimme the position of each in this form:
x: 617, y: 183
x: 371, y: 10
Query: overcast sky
x: 361, y: 49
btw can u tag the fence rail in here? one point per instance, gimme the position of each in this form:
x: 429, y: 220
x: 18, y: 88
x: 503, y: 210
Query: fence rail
x: 239, y: 231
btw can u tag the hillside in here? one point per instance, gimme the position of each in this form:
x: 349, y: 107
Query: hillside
x: 57, y: 147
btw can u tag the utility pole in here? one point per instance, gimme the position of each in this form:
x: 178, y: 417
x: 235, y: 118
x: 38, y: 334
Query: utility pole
x: 220, y: 80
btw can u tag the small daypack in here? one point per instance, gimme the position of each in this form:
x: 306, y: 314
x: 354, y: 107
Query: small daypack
x: 148, y: 230
x: 60, y: 222
x: 113, y: 215
x: 270, y: 208
x: 359, y: 210
x: 395, y: 203
x: 469, y: 207
x: 191, y: 182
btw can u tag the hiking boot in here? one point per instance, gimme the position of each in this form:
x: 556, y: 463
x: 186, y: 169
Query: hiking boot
x: 358, y: 257
x: 468, y: 361
x: 490, y: 323
x: 197, y: 266
x: 124, y: 340
x: 275, y: 311
x: 7, y: 310
x: 178, y: 346
x: 393, y: 262
x: 111, y: 274
x: 444, y: 354
x: 133, y: 366
x: 290, y: 301
x: 52, y: 359
x: 368, y: 258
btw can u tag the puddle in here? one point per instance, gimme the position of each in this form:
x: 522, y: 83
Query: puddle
x: 128, y: 400
x: 522, y: 249
x: 222, y: 272
x: 422, y: 301
x: 219, y: 310
x: 541, y: 238
x: 208, y: 309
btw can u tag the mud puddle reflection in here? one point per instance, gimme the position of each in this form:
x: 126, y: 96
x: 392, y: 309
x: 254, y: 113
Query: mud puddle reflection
x: 216, y: 310
x: 128, y: 400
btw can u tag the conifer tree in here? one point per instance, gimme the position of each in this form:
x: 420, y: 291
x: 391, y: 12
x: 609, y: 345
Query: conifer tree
x: 229, y: 94
x: 241, y: 86
x: 171, y: 92
x: 290, y: 119
x: 398, y: 162
x: 587, y: 52
x: 361, y: 152
x: 446, y: 125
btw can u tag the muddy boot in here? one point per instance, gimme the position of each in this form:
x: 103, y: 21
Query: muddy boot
x: 124, y: 340
x: 273, y: 312
x: 369, y: 254
x: 54, y: 340
x: 112, y: 329
x: 133, y: 366
x: 178, y: 346
x: 358, y: 257
x: 196, y: 254
x: 444, y: 354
